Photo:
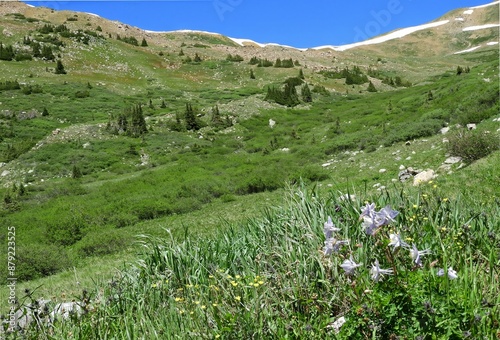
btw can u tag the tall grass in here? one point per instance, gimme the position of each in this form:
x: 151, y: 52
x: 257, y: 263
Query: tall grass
x: 269, y: 277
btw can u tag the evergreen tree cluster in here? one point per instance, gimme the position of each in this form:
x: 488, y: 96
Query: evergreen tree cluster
x: 286, y: 96
x: 218, y: 121
x: 131, y: 122
x: 352, y: 76
x: 6, y: 52
x: 191, y: 118
x: 129, y: 40
x: 235, y: 58
x: 285, y: 63
x: 396, y: 82
x: 9, y: 85
x: 260, y: 62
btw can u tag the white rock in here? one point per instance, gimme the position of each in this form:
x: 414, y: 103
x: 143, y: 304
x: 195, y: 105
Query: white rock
x: 444, y: 130
x: 272, y: 123
x: 382, y: 171
x: 5, y: 173
x: 402, y: 167
x: 452, y: 160
x: 423, y: 177
x: 471, y: 126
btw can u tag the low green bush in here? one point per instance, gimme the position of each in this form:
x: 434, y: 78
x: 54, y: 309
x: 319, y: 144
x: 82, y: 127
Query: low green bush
x: 473, y: 145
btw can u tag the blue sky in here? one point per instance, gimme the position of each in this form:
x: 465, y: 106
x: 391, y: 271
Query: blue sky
x: 299, y: 24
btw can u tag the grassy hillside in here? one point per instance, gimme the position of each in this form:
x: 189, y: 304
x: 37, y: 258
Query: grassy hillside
x: 199, y: 169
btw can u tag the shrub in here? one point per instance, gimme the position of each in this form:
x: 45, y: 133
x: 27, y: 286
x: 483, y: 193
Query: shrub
x: 472, y: 145
x: 36, y: 260
x: 98, y: 243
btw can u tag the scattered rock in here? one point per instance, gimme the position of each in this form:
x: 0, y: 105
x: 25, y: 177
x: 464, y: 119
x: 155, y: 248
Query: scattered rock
x: 471, y: 126
x: 382, y: 171
x: 444, y: 130
x: 452, y: 160
x: 5, y: 173
x: 272, y: 123
x: 423, y: 177
x: 402, y: 167
x: 406, y: 174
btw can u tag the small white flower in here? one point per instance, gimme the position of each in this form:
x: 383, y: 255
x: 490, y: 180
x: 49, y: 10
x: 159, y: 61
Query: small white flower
x: 350, y: 266
x: 329, y: 228
x: 377, y: 272
x: 416, y: 254
x: 452, y: 274
x: 396, y: 241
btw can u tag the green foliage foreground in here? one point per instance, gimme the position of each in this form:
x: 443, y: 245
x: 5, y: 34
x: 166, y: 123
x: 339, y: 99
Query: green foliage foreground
x: 270, y: 278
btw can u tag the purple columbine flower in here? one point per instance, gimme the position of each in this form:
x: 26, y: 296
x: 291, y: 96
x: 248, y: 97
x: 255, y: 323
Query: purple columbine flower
x: 378, y: 272
x: 368, y: 210
x: 350, y: 266
x: 416, y: 254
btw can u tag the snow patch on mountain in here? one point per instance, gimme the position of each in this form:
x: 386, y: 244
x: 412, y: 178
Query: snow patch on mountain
x: 487, y: 5
x: 390, y: 36
x: 480, y: 27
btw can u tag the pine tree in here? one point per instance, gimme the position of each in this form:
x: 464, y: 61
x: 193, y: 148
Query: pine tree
x: 192, y: 123
x: 35, y: 48
x: 6, y: 52
x: 47, y: 53
x: 163, y: 105
x: 76, y: 172
x: 277, y: 63
x: 371, y: 87
x: 306, y: 94
x: 138, y: 123
x: 45, y: 112
x: 151, y: 104
x: 60, y: 68
x: 197, y: 58
x: 181, y: 53
x: 301, y: 74
x: 252, y: 76
x: 460, y: 70
x: 144, y: 43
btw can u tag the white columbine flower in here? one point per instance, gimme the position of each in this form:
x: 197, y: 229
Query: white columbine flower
x: 452, y: 274
x: 377, y: 272
x: 333, y: 245
x: 330, y: 228
x: 350, y: 266
x: 396, y: 241
x: 416, y: 254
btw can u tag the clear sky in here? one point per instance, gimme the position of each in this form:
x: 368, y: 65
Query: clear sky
x: 300, y: 24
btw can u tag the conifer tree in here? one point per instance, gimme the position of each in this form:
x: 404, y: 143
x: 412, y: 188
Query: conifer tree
x: 277, y: 63
x: 35, y: 49
x: 138, y: 123
x: 301, y: 74
x: 371, y: 87
x: 460, y: 70
x: 181, y: 53
x: 192, y: 123
x: 144, y: 43
x: 6, y: 52
x: 306, y: 94
x: 252, y: 76
x: 45, y: 112
x: 163, y: 105
x: 197, y: 58
x: 60, y: 68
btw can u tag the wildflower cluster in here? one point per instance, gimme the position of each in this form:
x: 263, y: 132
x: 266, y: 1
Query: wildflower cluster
x: 373, y: 222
